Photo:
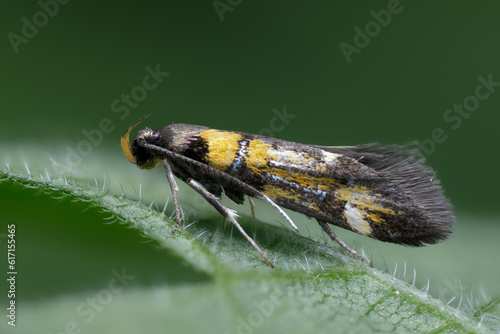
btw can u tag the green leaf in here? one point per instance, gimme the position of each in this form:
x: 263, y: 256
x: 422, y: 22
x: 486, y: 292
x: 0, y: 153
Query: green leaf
x: 313, y: 289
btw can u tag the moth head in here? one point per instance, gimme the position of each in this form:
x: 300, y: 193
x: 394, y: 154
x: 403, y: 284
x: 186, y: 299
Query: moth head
x: 136, y: 152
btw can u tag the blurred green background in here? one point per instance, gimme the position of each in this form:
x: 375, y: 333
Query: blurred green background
x: 231, y: 73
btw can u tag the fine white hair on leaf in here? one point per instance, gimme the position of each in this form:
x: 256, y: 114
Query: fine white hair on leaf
x: 109, y: 178
x: 426, y: 287
x: 56, y: 165
x: 88, y: 207
x: 123, y: 190
x: 364, y: 255
x: 200, y: 234
x: 194, y: 222
x: 469, y: 301
x: 140, y: 192
x: 111, y: 219
x: 461, y: 294
x: 300, y: 264
x: 319, y: 263
x: 86, y: 175
x: 183, y: 215
x: 165, y: 206
x: 28, y: 170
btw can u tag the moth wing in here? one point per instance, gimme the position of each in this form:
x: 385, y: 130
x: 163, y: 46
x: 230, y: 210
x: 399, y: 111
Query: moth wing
x: 235, y: 196
x: 404, y: 166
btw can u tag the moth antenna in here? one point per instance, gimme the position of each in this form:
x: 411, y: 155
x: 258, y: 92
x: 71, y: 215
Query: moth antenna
x: 125, y: 141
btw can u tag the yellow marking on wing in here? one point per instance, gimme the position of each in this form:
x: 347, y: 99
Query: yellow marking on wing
x: 314, y: 206
x: 279, y: 193
x: 258, y: 155
x: 222, y: 147
x: 361, y: 198
x: 376, y: 218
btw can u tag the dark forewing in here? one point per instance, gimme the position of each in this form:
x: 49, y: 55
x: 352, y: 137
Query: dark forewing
x: 385, y: 192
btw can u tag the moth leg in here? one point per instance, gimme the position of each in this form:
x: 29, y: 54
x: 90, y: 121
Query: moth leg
x: 252, y: 206
x: 221, y: 176
x: 332, y: 236
x: 226, y: 213
x: 175, y: 189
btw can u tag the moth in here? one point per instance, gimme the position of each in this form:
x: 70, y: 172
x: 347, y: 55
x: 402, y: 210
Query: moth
x: 384, y: 192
